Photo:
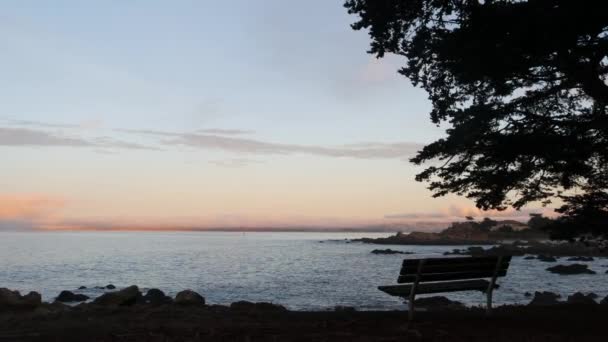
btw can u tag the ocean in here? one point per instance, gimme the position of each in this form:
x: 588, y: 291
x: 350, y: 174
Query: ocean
x: 292, y: 269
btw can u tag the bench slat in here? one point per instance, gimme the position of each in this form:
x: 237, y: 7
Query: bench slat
x: 450, y: 276
x: 468, y: 285
x: 458, y: 260
x: 475, y: 266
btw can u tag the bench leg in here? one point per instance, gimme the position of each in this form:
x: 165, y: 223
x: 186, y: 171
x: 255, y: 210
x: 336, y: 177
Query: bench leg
x: 410, y: 308
x: 489, y: 303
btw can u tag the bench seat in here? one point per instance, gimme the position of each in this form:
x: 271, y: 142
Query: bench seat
x: 445, y: 286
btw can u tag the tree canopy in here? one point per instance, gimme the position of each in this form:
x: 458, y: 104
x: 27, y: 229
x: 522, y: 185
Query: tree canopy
x: 522, y: 86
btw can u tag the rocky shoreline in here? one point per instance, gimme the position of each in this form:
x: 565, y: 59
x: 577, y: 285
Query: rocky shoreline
x: 130, y: 315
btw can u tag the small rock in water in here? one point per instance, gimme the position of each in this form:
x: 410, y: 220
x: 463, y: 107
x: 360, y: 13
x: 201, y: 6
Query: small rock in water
x: 527, y: 294
x: 127, y: 296
x: 82, y: 288
x: 389, y: 251
x: 545, y: 298
x: 530, y: 257
x: 546, y: 258
x: 110, y: 287
x: 581, y: 258
x: 571, y: 269
x: 579, y: 298
x: 69, y: 296
x: 189, y: 297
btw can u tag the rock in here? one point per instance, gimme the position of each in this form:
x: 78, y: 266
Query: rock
x: 476, y: 250
x: 127, y: 296
x: 14, y: 300
x: 388, y: 251
x: 545, y: 298
x: 529, y: 257
x: 189, y: 297
x: 581, y: 258
x: 604, y: 301
x: 156, y: 297
x: 546, y: 258
x: 249, y: 306
x: 437, y: 302
x: 340, y: 308
x: 69, y: 296
x: 82, y: 288
x: 110, y: 287
x: 528, y: 294
x: 571, y: 269
x: 579, y: 298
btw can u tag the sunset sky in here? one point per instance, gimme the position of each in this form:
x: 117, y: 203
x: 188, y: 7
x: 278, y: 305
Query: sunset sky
x: 133, y: 113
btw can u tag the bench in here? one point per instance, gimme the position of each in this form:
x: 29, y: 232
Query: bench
x: 437, y: 275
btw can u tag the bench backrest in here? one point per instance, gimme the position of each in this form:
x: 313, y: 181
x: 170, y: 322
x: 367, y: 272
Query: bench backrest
x: 443, y: 269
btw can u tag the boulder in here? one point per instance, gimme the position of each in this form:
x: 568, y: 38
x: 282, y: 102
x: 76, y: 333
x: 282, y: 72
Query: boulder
x: 249, y: 306
x: 110, y: 287
x: 545, y: 298
x: 156, y: 297
x: 14, y: 300
x: 189, y: 297
x: 546, y: 258
x: 581, y: 258
x: 579, y: 298
x: 571, y: 269
x: 389, y: 251
x: 82, y: 288
x: 69, y: 296
x: 127, y: 296
x: 437, y: 302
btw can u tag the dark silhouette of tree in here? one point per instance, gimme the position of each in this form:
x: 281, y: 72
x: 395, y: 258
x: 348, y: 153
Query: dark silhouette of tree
x: 523, y: 88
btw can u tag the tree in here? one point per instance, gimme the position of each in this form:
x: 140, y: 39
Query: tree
x: 522, y: 86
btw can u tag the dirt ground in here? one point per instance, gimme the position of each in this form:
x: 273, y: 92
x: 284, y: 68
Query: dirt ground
x: 214, y: 323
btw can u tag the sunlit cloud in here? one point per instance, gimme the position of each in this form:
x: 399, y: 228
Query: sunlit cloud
x: 28, y: 211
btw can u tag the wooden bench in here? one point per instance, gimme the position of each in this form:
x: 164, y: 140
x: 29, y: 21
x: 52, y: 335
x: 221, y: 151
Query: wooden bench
x: 437, y: 275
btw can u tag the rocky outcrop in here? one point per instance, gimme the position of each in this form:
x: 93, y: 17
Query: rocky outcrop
x: 389, y: 251
x: 110, y: 287
x: 579, y: 298
x: 125, y: 297
x: 11, y: 300
x: 545, y: 298
x: 438, y: 303
x: 604, y: 301
x: 189, y: 297
x: 156, y: 297
x: 571, y: 269
x: 69, y: 296
x: 262, y: 307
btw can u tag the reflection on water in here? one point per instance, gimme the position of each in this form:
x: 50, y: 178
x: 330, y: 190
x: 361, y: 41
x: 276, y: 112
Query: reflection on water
x: 292, y: 269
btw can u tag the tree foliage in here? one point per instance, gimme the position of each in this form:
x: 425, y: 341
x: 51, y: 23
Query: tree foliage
x: 522, y: 86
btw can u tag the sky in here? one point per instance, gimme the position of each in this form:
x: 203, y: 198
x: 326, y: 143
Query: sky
x: 168, y: 114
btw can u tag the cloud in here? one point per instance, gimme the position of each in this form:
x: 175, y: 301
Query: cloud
x: 28, y: 211
x: 368, y: 150
x: 235, y: 162
x: 32, y: 137
x: 220, y: 131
